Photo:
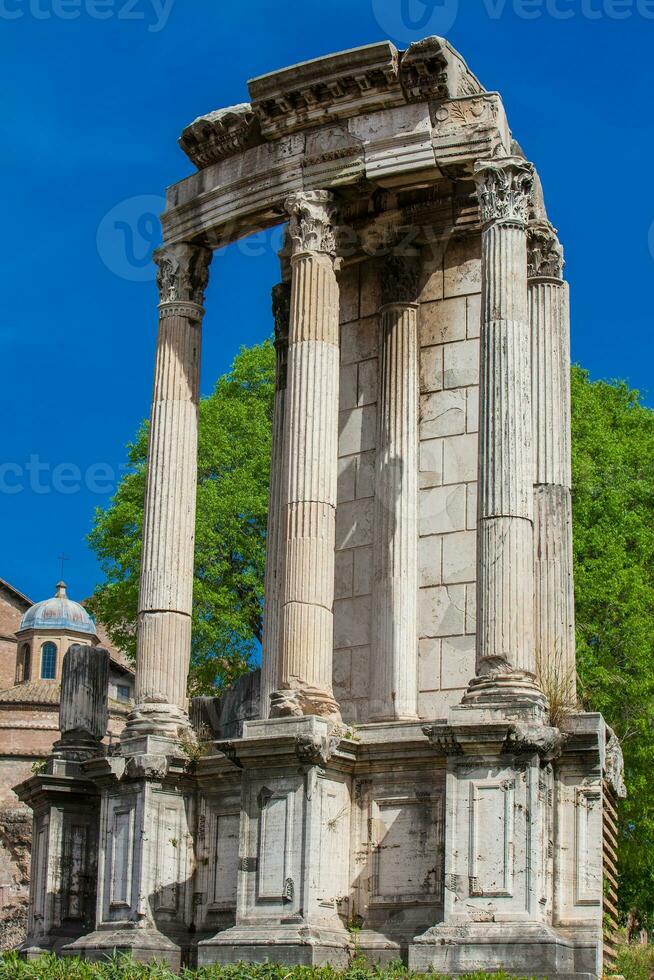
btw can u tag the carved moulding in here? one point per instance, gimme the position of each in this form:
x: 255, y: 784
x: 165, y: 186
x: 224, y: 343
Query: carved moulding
x: 503, y: 189
x: 220, y: 134
x: 432, y: 69
x: 338, y: 86
x: 314, y: 750
x: 444, y: 740
x: 524, y: 739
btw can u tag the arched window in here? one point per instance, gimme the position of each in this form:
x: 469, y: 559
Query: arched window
x: 23, y: 664
x: 48, y: 662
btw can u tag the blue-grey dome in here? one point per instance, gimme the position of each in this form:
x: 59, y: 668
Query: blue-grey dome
x: 58, y: 613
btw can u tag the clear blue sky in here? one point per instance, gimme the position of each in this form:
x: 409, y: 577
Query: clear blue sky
x: 96, y: 93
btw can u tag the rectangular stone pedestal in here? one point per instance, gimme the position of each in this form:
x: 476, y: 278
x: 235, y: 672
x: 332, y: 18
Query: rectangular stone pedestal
x: 293, y: 861
x: 523, y: 874
x: 146, y: 856
x: 64, y: 856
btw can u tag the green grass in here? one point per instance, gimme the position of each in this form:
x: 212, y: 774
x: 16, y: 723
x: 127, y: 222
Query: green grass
x: 124, y: 968
x: 636, y: 962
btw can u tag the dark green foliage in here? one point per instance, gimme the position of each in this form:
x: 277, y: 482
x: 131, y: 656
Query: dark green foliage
x: 613, y: 509
x: 635, y: 962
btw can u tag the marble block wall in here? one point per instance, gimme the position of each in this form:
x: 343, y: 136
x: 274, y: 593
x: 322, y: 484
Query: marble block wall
x: 449, y: 319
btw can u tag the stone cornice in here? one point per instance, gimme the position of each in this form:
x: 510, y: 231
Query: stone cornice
x: 220, y: 134
x: 337, y: 86
x: 431, y: 69
x: 504, y: 187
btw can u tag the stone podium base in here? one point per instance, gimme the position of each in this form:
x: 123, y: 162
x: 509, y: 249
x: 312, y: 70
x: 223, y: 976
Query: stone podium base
x: 143, y: 945
x: 290, y: 946
x: 523, y: 949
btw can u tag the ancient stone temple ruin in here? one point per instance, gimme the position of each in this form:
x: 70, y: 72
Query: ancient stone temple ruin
x: 411, y: 776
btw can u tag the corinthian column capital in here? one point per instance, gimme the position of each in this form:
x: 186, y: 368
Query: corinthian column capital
x: 503, y: 189
x: 400, y: 279
x: 311, y: 217
x: 182, y: 276
x: 544, y: 252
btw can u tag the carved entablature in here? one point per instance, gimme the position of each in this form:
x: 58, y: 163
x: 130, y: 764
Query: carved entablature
x: 335, y: 87
x: 544, y: 252
x: 503, y: 188
x: 310, y: 227
x: 357, y: 122
x: 183, y: 273
x: 431, y: 69
x: 356, y: 82
x: 220, y: 134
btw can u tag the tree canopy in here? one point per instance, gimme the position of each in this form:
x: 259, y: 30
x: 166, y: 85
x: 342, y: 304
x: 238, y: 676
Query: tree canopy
x: 613, y: 509
x: 613, y: 515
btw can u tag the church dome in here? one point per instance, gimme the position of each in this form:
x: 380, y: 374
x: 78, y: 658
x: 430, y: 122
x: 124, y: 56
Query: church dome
x: 59, y: 613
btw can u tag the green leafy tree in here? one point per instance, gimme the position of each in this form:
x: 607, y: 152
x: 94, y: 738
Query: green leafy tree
x: 233, y: 473
x: 613, y: 511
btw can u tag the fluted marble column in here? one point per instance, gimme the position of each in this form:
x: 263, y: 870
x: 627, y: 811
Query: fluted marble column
x: 311, y: 462
x: 281, y: 299
x: 554, y: 618
x: 394, y: 664
x: 505, y: 553
x: 166, y: 587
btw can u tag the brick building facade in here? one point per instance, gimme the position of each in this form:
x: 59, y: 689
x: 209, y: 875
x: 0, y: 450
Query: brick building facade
x: 33, y: 641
